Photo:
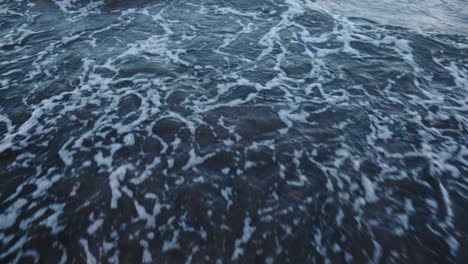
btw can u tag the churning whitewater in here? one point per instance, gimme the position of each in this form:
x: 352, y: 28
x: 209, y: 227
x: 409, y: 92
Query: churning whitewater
x: 217, y: 131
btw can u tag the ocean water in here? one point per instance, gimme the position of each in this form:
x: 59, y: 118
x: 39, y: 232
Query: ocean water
x: 219, y: 131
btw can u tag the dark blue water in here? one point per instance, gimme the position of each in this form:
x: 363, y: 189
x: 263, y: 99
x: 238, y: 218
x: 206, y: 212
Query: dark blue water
x: 215, y: 131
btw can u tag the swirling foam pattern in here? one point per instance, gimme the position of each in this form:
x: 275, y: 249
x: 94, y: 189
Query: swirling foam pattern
x: 222, y: 131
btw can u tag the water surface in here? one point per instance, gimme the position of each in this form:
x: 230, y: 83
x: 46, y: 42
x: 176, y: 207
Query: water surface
x: 233, y: 131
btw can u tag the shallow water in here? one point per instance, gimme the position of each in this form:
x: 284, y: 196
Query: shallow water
x: 221, y: 131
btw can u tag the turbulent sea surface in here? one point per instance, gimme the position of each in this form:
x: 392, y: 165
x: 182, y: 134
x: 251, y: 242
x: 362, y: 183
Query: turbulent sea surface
x: 217, y: 131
